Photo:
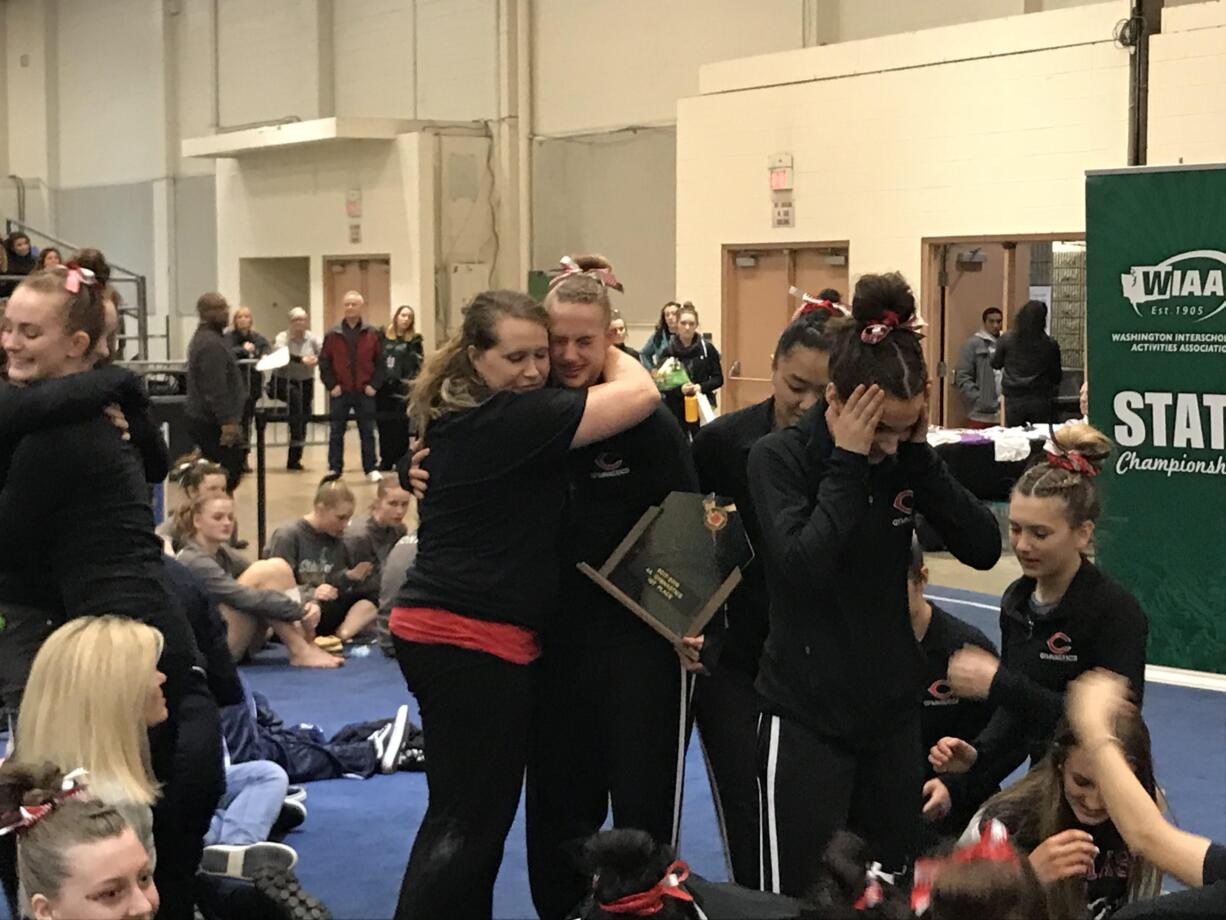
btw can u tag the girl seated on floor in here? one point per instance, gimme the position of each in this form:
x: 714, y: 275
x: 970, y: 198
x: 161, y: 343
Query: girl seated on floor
x: 196, y: 477
x: 76, y: 855
x: 346, y: 589
x: 371, y: 538
x: 1056, y: 816
x: 252, y: 596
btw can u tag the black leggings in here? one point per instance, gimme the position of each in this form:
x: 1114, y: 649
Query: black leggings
x: 812, y: 787
x: 608, y: 729
x: 726, y: 713
x: 475, y: 710
x: 393, y: 425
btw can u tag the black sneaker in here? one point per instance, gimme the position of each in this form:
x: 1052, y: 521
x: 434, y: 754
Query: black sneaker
x: 412, y: 759
x: 296, y: 793
x: 295, y: 467
x: 287, y: 894
x: 293, y: 814
x: 244, y: 862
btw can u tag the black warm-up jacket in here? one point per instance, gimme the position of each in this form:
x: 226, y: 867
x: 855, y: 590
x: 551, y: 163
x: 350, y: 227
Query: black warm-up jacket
x: 1097, y: 624
x: 841, y: 657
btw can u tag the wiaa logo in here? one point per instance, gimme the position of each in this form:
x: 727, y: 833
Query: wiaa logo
x: 1060, y: 644
x: 1194, y: 282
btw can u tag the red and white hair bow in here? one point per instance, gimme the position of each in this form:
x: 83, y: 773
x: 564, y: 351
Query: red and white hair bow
x: 1071, y: 460
x: 26, y: 816
x: 876, y: 332
x: 649, y: 902
x: 570, y: 268
x: 77, y: 276
x: 811, y: 304
x: 992, y: 846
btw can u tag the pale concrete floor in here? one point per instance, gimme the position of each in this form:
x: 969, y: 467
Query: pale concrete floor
x: 290, y: 494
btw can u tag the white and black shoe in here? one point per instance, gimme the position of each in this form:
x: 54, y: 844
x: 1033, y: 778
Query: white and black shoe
x: 293, y: 815
x: 296, y: 793
x: 395, y: 741
x: 245, y: 862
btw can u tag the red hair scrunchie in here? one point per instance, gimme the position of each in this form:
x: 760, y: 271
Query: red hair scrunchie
x: 649, y: 902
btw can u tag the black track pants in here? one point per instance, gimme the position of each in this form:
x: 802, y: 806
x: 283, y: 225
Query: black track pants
x: 608, y: 726
x: 812, y: 787
x: 475, y: 710
x: 726, y: 712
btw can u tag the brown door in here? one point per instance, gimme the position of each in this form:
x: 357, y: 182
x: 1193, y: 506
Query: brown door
x: 370, y: 277
x: 756, y: 308
x: 818, y: 269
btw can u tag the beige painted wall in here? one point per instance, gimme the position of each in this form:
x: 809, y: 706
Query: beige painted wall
x: 293, y: 204
x: 967, y: 147
x: 1187, y: 86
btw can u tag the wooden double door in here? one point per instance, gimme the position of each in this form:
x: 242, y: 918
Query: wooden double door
x: 757, y: 307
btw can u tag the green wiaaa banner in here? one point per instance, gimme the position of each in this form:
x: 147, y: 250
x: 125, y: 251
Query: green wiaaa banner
x: 1156, y: 317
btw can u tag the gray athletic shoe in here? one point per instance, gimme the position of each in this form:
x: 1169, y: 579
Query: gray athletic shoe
x: 244, y: 862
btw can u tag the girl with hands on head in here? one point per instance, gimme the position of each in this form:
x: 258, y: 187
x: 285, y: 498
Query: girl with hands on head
x: 836, y: 495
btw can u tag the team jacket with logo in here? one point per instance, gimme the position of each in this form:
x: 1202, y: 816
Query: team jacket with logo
x: 1097, y: 624
x: 945, y: 714
x: 612, y: 483
x: 841, y: 656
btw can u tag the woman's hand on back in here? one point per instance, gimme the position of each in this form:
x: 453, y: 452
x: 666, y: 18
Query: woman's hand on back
x: 853, y: 424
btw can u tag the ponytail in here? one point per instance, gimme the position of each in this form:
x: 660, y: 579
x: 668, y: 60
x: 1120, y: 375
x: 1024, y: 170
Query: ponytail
x: 881, y: 344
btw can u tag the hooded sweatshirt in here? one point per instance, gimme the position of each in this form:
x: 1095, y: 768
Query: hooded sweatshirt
x: 978, y: 383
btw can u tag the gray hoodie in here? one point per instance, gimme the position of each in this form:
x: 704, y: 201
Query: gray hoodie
x: 976, y: 380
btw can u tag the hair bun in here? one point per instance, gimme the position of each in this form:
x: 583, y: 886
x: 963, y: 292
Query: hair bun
x: 877, y: 295
x: 28, y: 785
x: 1084, y: 439
x: 592, y: 261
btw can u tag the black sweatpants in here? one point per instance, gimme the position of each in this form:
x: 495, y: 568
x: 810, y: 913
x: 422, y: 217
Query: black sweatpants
x: 475, y: 710
x: 1022, y: 409
x: 207, y: 436
x: 725, y: 709
x: 608, y: 726
x: 393, y: 424
x: 187, y: 759
x: 812, y: 787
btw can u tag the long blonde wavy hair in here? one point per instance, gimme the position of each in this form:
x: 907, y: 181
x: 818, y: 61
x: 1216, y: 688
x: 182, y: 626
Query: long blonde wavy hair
x: 448, y: 382
x: 85, y: 705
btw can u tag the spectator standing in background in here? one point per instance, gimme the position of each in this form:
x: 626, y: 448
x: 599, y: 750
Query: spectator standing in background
x: 350, y: 368
x: 246, y: 344
x: 701, y: 361
x: 216, y: 392
x: 401, y: 352
x: 49, y: 258
x: 19, y: 260
x: 619, y: 336
x: 652, y: 352
x: 294, y: 384
x: 975, y: 377
x: 1030, y: 359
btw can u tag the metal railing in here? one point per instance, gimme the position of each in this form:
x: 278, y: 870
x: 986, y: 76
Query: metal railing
x: 137, y: 308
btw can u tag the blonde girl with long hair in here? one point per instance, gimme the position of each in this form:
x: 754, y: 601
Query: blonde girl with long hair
x: 466, y: 624
x: 94, y: 692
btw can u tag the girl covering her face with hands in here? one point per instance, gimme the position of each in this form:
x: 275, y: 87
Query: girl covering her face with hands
x: 836, y: 497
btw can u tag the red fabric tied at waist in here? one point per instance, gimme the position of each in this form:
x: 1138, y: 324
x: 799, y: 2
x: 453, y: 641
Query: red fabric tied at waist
x: 431, y: 626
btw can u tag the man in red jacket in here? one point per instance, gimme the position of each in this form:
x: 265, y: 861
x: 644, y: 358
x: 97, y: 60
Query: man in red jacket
x: 351, y: 370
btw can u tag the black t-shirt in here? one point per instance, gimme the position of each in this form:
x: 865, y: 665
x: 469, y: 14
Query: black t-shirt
x: 612, y: 483
x: 490, y: 521
x: 721, y: 456
x: 945, y: 714
x: 1107, y: 885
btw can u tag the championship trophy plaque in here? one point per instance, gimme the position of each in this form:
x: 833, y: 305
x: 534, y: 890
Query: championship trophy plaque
x: 678, y: 564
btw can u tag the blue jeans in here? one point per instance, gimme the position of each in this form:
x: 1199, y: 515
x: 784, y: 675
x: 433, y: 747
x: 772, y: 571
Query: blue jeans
x: 363, y: 407
x: 254, y: 794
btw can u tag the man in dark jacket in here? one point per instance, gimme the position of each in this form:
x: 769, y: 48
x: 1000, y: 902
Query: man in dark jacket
x: 350, y: 368
x: 216, y: 392
x: 975, y: 377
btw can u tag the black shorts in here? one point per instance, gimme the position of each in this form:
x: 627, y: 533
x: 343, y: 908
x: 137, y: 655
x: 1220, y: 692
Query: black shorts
x: 332, y: 613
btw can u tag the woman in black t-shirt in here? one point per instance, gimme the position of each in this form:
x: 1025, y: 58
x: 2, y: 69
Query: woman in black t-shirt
x: 1057, y: 816
x: 466, y: 623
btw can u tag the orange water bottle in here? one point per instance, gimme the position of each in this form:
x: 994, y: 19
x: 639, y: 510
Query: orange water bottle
x: 691, y: 409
